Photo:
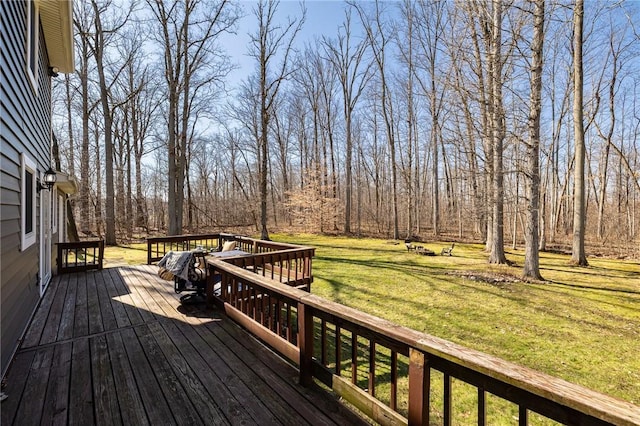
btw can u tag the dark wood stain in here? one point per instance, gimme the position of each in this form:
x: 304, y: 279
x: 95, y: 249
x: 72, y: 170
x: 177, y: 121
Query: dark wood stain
x: 116, y: 347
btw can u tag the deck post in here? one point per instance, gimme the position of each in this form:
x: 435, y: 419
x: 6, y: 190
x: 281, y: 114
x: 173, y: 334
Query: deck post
x: 210, y: 288
x: 305, y: 344
x: 100, y: 254
x: 419, y: 386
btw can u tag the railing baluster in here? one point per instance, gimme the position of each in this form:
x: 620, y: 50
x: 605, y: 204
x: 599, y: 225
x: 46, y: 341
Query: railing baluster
x: 522, y: 416
x: 272, y: 263
x: 393, y: 400
x: 278, y: 318
x: 263, y: 306
x: 482, y: 407
x: 354, y: 357
x: 236, y: 292
x: 372, y: 368
x: 224, y: 286
x: 289, y: 325
x: 323, y: 342
x: 270, y: 313
x: 447, y: 400
x: 244, y: 299
x: 250, y: 302
x: 338, y: 350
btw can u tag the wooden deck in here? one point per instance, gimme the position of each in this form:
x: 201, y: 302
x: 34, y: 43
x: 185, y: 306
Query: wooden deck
x: 116, y: 347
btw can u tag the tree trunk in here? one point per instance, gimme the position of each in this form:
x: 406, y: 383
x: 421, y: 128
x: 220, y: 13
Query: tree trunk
x: 264, y: 129
x: 85, y: 189
x: 578, y: 255
x: 110, y: 221
x: 497, y: 122
x: 532, y: 236
x: 72, y: 148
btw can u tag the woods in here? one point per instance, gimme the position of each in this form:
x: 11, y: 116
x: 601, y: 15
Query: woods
x: 493, y: 121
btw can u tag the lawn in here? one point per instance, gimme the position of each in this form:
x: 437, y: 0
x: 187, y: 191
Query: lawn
x: 582, y: 324
x: 130, y: 254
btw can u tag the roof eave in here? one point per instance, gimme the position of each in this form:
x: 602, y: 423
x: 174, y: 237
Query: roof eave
x: 66, y: 183
x: 56, y: 17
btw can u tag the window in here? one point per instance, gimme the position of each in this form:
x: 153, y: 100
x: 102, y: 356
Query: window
x: 33, y: 38
x: 28, y: 202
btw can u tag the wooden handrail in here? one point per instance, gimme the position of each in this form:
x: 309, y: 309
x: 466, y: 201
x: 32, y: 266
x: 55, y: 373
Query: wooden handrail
x: 157, y: 247
x: 272, y: 311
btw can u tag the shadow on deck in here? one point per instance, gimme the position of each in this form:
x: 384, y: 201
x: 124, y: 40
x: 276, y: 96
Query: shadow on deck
x: 116, y: 347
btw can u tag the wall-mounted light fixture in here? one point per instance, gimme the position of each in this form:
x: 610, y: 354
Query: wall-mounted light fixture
x: 53, y: 71
x: 48, y: 180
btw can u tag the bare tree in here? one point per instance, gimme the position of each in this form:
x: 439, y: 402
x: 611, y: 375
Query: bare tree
x: 267, y: 44
x: 578, y: 255
x: 378, y: 38
x: 102, y: 37
x: 193, y: 63
x: 532, y: 173
x: 353, y: 74
x: 497, y: 118
x: 430, y: 31
x: 83, y: 26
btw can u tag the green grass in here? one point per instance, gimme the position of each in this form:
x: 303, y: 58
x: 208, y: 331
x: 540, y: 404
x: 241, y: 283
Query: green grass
x: 582, y: 324
x: 130, y: 254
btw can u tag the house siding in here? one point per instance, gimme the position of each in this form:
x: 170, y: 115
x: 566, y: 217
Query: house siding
x: 25, y: 127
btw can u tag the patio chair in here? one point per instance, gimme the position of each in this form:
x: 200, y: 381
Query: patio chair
x: 189, y: 273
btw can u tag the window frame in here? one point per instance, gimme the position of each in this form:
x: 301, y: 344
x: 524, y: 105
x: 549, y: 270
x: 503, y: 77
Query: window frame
x: 61, y: 216
x: 33, y: 43
x: 27, y: 239
x: 54, y: 210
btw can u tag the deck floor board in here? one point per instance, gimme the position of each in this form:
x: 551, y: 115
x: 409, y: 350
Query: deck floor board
x: 119, y: 311
x: 55, y: 407
x: 31, y: 406
x: 81, y: 316
x: 129, y: 398
x: 80, y: 392
x: 51, y: 326
x: 117, y: 347
x: 106, y: 309
x: 65, y: 329
x: 94, y: 310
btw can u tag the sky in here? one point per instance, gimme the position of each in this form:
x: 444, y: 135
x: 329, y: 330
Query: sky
x: 323, y: 18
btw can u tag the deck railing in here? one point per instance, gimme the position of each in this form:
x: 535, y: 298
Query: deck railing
x: 157, y: 247
x: 80, y: 256
x: 396, y: 375
x: 291, y: 266
x: 288, y: 263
